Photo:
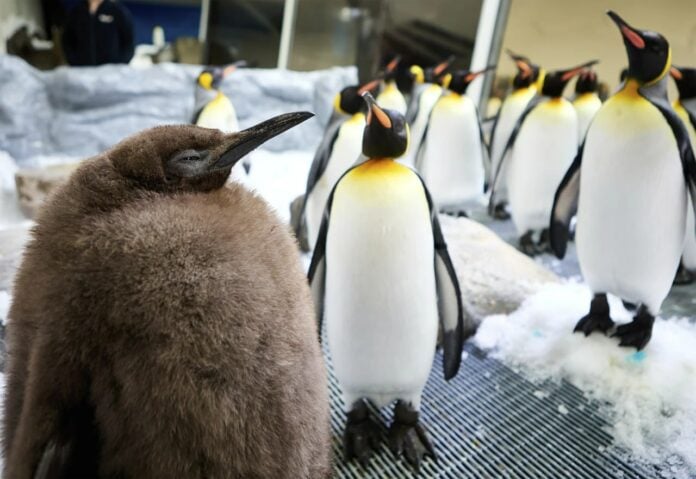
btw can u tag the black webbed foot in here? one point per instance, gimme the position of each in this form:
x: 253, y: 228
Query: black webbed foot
x: 361, y: 435
x: 638, y: 332
x: 407, y: 437
x: 544, y: 243
x: 500, y: 212
x: 527, y: 244
x: 598, y: 319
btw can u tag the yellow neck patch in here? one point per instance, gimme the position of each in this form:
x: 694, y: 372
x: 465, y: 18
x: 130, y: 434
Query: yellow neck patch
x: 377, y: 168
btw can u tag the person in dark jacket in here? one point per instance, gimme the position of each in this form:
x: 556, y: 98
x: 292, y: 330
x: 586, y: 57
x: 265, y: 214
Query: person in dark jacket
x: 98, y: 32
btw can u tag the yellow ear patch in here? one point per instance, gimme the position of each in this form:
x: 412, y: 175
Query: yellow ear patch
x: 337, y: 103
x: 417, y: 73
x: 446, y: 80
x: 205, y: 80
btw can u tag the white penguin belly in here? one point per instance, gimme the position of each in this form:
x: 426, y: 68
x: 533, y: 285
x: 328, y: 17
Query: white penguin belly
x: 380, y: 297
x: 632, y: 207
x: 452, y: 162
x: 689, y: 255
x: 586, y: 106
x: 345, y: 152
x: 221, y: 115
x: 543, y: 151
x: 426, y: 102
x: 510, y: 112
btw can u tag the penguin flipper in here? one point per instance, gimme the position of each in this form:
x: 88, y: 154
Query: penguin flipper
x: 681, y: 135
x: 413, y: 106
x: 317, y: 270
x: 485, y: 152
x: 449, y: 298
x: 533, y: 103
x: 565, y: 205
x: 319, y: 163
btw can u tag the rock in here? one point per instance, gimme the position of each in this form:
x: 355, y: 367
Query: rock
x: 33, y: 186
x: 494, y: 277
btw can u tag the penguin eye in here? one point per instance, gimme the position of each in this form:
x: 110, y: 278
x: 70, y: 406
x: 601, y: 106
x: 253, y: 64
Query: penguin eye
x: 187, y: 155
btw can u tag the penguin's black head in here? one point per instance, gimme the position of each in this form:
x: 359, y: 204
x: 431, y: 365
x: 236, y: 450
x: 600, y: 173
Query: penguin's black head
x: 685, y: 78
x: 586, y: 82
x: 349, y: 100
x: 211, y: 77
x: 623, y: 75
x: 527, y: 72
x: 555, y: 82
x: 386, y: 131
x: 460, y: 80
x: 431, y: 74
x: 390, y: 70
x: 649, y: 55
x: 191, y: 158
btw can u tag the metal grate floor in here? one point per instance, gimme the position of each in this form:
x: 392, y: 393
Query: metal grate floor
x: 489, y: 422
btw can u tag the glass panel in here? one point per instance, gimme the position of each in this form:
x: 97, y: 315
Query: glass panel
x: 369, y: 32
x: 245, y: 29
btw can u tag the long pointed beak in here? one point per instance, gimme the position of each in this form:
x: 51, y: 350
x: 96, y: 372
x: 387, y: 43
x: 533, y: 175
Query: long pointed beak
x: 628, y: 32
x: 441, y: 67
x: 237, y: 145
x: 369, y: 86
x: 374, y: 110
x: 231, y: 68
x: 391, y: 66
x: 676, y: 73
x: 471, y: 76
x: 568, y: 74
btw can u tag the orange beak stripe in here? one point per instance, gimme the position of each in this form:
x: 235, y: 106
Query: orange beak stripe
x: 368, y: 86
x: 633, y: 37
x: 382, y: 117
x: 392, y: 64
x: 676, y: 74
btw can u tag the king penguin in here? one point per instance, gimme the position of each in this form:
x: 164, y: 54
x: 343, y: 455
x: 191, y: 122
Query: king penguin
x: 524, y: 88
x: 426, y: 92
x: 391, y: 97
x: 338, y: 151
x: 162, y: 326
x: 629, y: 183
x: 382, y: 280
x: 685, y: 106
x: 453, y: 152
x: 539, y: 150
x: 586, y: 101
x: 212, y: 108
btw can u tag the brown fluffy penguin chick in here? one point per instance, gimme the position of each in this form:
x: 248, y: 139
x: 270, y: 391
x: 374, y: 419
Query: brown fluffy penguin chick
x: 162, y: 326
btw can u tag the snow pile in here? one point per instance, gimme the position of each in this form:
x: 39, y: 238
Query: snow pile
x: 651, y: 394
x: 5, y: 300
x: 279, y: 177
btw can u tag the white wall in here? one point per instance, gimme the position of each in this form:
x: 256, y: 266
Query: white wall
x: 561, y: 33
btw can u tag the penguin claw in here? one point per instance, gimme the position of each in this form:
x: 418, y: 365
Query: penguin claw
x: 594, y: 322
x: 408, y: 438
x: 360, y: 439
x: 638, y: 332
x: 500, y: 213
x: 634, y: 335
x: 411, y: 442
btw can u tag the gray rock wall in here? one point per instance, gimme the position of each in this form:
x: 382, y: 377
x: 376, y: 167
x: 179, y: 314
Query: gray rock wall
x: 82, y: 111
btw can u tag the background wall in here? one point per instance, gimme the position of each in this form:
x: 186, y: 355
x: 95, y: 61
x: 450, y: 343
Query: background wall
x: 11, y: 14
x: 562, y: 33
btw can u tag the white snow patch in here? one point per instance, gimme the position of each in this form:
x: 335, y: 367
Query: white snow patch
x: 280, y: 177
x: 651, y: 394
x: 5, y: 300
x: 562, y: 409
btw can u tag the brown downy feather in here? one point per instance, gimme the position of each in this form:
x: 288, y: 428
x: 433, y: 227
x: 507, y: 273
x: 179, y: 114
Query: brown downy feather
x: 162, y: 327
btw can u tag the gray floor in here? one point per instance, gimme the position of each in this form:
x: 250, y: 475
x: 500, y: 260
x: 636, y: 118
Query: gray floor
x: 489, y: 422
